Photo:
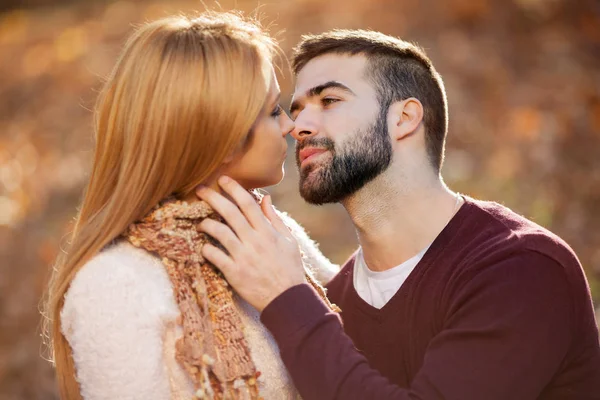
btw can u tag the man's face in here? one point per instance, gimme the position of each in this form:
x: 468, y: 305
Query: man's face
x: 341, y: 132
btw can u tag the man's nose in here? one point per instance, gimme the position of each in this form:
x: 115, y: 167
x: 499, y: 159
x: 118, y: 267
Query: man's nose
x: 306, y: 125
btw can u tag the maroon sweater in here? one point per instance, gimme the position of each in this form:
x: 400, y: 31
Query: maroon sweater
x: 497, y: 309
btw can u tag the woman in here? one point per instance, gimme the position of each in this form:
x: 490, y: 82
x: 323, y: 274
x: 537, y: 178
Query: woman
x: 134, y: 310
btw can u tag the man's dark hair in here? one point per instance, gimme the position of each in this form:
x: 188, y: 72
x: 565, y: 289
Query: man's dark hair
x: 398, y: 70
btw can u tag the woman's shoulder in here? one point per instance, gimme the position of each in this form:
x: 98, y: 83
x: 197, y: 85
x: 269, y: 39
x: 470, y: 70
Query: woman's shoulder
x: 119, y: 264
x: 319, y: 265
x: 124, y: 278
x: 117, y: 315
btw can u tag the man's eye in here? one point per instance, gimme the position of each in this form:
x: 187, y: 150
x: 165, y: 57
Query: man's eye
x: 328, y: 100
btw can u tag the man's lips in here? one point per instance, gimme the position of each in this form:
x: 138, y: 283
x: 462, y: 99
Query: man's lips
x: 309, y: 152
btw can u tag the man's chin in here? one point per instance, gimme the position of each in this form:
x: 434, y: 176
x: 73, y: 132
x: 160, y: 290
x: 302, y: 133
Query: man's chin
x: 310, y: 198
x: 314, y: 194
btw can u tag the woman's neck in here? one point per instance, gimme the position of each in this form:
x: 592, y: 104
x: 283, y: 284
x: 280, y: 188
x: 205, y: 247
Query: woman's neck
x: 191, y: 197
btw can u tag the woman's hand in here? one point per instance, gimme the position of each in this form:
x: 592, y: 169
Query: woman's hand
x: 264, y: 258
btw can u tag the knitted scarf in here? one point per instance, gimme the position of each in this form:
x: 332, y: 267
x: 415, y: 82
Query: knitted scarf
x: 213, y: 349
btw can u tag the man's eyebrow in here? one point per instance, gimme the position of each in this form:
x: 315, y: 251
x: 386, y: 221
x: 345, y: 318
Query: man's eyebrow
x: 317, y: 90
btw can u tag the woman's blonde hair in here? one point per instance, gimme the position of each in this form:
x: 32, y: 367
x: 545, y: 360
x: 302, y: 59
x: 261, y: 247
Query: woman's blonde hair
x: 182, y: 97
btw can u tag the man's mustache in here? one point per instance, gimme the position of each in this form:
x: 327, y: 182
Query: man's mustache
x: 321, y: 143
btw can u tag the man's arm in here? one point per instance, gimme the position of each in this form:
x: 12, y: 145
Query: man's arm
x: 320, y: 357
x: 506, y: 334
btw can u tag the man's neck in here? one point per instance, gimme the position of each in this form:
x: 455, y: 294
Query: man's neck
x: 395, y: 217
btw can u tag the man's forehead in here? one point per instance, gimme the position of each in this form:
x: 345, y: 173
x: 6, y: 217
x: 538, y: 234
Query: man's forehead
x: 346, y: 69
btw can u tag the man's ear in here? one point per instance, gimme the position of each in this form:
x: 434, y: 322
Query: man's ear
x: 404, y: 118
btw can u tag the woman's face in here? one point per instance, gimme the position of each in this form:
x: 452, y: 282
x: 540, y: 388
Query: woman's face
x: 260, y: 162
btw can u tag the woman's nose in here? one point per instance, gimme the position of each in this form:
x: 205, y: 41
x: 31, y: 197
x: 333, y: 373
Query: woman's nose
x: 288, y: 125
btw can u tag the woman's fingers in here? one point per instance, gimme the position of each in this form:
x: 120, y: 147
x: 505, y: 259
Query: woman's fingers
x: 246, y: 203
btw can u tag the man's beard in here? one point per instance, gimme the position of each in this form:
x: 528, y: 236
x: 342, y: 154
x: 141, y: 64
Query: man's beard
x: 363, y: 157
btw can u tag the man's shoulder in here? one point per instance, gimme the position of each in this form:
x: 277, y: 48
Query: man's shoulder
x: 493, y: 240
x: 492, y: 230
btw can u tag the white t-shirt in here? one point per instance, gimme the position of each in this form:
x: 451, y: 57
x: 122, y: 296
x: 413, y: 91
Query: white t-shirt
x: 377, y: 288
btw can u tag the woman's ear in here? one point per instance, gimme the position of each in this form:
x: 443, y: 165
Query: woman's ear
x: 404, y: 118
x: 229, y: 158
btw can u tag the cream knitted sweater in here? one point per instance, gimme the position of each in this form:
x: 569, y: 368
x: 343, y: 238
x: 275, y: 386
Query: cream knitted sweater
x: 120, y: 319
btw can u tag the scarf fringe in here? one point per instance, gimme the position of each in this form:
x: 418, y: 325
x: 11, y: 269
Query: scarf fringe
x: 213, y: 349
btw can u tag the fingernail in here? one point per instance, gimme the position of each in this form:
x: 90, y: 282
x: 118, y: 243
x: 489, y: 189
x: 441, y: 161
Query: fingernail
x: 225, y: 179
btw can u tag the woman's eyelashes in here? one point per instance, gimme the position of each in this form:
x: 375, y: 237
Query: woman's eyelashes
x: 277, y: 111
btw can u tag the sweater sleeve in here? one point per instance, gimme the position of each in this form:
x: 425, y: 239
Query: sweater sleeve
x: 115, y: 319
x: 507, y: 331
x: 320, y: 266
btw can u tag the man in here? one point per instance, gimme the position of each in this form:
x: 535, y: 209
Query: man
x: 447, y: 297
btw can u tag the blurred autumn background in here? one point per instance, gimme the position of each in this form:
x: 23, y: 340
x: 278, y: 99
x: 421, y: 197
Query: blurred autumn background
x: 523, y: 82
